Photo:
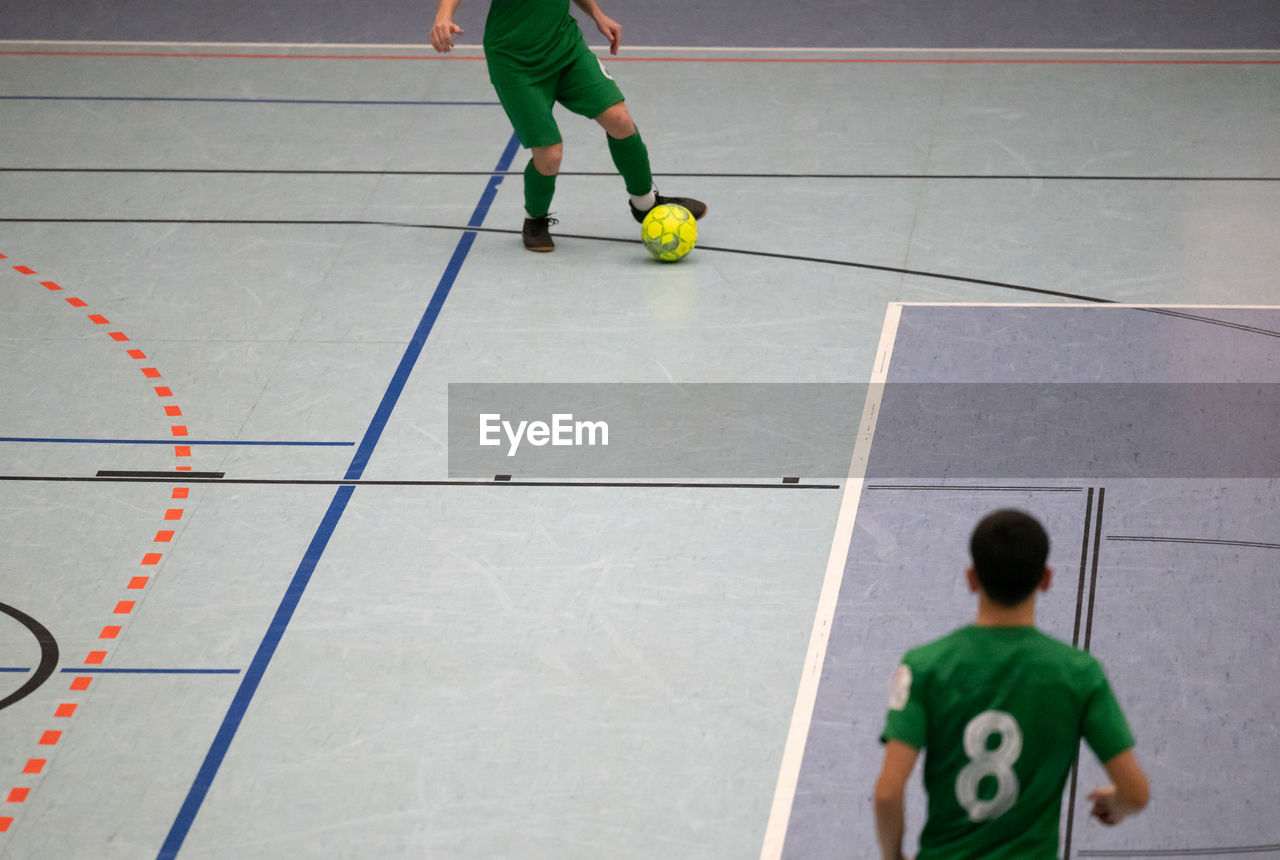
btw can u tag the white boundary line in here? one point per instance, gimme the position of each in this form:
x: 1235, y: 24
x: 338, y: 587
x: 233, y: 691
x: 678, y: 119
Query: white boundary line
x: 802, y: 716
x: 404, y: 46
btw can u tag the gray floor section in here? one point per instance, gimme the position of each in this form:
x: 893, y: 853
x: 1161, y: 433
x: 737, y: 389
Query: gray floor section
x: 1177, y: 608
x: 1187, y: 24
x: 524, y: 671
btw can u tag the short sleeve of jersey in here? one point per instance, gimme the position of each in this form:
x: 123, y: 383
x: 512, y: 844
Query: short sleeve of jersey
x: 907, y: 720
x: 1105, y: 728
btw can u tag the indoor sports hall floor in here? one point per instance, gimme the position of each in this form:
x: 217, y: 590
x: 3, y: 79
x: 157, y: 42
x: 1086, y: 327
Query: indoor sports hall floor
x: 246, y: 613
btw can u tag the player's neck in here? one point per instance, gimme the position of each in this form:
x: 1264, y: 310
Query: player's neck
x: 992, y: 614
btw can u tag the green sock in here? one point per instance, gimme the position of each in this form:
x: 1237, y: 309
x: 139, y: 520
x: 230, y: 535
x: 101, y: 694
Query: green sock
x: 538, y: 191
x: 631, y: 157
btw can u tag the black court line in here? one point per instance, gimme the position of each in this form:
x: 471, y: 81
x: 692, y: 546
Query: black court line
x: 1182, y: 852
x: 1093, y: 569
x: 979, y: 177
x: 80, y: 670
x: 1075, y: 640
x: 794, y: 258
x: 1084, y: 563
x: 245, y: 101
x: 1088, y: 630
x: 210, y: 478
x: 1203, y: 541
x: 173, y: 440
x: 974, y: 489
x: 158, y: 475
x: 1168, y: 312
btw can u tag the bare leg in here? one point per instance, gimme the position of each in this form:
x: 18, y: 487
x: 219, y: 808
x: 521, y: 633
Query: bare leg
x: 616, y: 121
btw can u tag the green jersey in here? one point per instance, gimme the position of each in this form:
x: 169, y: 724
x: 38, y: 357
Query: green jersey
x: 999, y: 712
x: 526, y: 41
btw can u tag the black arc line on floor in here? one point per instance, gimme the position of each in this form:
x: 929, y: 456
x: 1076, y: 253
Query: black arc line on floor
x: 798, y: 258
x: 794, y: 258
x: 48, y: 655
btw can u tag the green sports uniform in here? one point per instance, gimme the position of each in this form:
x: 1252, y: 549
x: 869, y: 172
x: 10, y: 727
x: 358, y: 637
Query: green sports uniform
x: 536, y: 57
x: 999, y: 712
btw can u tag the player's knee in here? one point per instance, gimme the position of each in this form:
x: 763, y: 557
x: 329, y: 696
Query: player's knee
x: 546, y: 159
x: 617, y: 122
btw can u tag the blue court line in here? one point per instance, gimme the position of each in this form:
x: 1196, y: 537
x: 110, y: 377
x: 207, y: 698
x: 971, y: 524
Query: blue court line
x: 293, y: 594
x: 243, y: 101
x: 176, y: 440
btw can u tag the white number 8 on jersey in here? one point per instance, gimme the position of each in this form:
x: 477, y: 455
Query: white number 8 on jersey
x: 983, y: 762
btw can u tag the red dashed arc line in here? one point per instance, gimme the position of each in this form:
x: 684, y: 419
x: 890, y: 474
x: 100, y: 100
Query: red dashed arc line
x: 110, y: 633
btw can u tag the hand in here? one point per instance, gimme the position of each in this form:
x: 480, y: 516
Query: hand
x: 442, y: 36
x: 1105, y: 806
x: 611, y: 30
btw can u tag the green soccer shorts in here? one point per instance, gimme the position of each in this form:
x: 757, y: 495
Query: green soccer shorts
x: 582, y: 85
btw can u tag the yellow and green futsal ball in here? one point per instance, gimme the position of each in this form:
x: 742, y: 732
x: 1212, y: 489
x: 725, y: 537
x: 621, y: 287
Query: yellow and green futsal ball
x: 669, y: 232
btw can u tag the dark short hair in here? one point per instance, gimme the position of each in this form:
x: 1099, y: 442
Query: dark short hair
x: 1009, y: 549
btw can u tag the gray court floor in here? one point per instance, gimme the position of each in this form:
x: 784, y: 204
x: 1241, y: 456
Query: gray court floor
x: 250, y: 612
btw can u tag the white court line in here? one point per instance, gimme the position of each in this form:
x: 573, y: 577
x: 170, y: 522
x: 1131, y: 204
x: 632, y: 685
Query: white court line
x: 793, y: 753
x: 374, y: 46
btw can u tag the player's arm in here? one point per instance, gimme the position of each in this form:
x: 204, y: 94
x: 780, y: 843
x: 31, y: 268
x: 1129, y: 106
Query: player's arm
x: 443, y: 30
x: 1128, y: 793
x: 890, y: 797
x: 608, y: 27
